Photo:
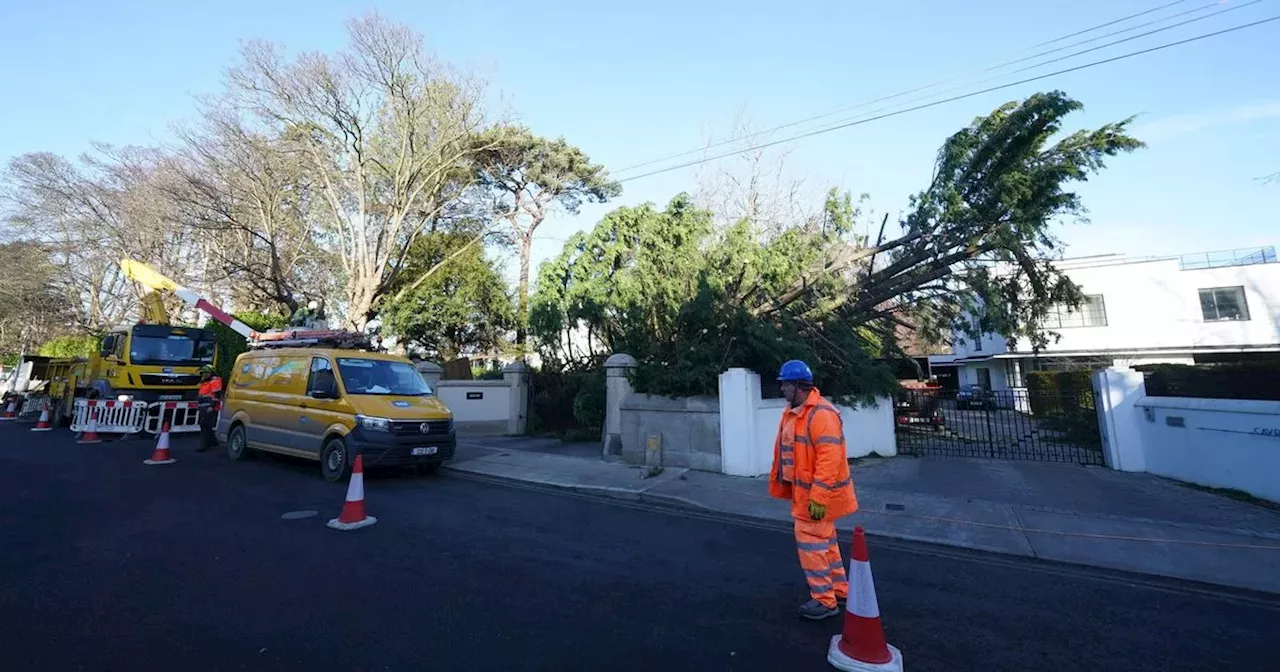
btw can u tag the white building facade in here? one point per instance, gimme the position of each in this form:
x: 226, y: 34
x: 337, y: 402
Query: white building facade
x: 1202, y: 308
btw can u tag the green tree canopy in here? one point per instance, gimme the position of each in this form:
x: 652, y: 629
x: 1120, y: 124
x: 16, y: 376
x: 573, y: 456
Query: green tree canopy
x: 463, y: 309
x: 975, y: 252
x: 527, y: 176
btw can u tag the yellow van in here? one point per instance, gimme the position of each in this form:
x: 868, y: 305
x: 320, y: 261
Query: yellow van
x: 328, y: 404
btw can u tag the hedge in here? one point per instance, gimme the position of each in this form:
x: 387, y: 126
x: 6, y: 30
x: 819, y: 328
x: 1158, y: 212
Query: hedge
x: 569, y: 404
x: 231, y: 344
x: 1257, y: 380
x: 1064, y: 400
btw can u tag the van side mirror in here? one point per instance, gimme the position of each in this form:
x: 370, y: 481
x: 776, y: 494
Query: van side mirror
x: 323, y: 393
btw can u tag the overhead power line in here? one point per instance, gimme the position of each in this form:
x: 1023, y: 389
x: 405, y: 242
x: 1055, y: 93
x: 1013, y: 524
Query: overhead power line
x: 1109, y: 23
x: 1193, y: 10
x: 1050, y: 61
x: 971, y: 94
x: 898, y: 94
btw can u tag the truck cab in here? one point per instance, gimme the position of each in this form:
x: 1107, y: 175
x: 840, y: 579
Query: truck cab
x: 150, y: 362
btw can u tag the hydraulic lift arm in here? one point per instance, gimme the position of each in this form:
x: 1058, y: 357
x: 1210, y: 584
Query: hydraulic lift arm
x: 152, y: 279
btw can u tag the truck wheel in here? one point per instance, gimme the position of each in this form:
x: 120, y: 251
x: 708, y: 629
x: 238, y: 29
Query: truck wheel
x: 238, y: 445
x: 334, y: 465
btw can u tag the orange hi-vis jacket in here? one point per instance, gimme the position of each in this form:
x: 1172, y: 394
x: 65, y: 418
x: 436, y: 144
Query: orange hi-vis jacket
x: 211, y: 388
x: 809, y: 460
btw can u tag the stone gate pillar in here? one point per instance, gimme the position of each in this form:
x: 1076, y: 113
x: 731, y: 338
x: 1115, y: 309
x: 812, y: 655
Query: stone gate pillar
x: 617, y: 386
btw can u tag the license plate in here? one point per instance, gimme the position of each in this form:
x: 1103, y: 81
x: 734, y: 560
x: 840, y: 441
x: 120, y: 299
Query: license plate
x: 170, y: 397
x: 425, y: 450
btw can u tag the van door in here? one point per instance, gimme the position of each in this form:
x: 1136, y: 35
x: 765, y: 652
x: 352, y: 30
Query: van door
x: 323, y: 406
x: 283, y: 378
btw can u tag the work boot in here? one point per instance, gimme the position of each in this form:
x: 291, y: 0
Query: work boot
x: 816, y: 611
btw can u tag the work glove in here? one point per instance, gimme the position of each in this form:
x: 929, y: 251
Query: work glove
x: 817, y: 511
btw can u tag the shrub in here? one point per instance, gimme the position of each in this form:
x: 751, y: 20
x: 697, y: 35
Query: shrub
x: 81, y: 345
x: 1256, y: 380
x: 231, y: 344
x: 1064, y: 401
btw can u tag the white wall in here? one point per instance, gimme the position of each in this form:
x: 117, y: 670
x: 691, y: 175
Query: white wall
x: 1220, y: 443
x: 749, y: 424
x: 494, y: 404
x: 1155, y: 304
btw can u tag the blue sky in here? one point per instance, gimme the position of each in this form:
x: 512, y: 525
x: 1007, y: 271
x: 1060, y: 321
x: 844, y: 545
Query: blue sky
x: 638, y: 81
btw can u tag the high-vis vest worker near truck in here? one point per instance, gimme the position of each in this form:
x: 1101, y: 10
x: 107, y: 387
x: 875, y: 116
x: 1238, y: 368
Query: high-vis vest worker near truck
x: 810, y: 469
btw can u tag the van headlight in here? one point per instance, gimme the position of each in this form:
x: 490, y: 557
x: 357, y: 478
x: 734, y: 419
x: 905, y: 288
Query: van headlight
x: 374, y: 424
x: 125, y: 397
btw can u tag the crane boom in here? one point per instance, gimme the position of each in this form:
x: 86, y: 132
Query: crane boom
x: 151, y: 278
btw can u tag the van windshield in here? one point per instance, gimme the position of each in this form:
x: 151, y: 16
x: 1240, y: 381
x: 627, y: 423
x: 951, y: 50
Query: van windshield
x: 375, y: 376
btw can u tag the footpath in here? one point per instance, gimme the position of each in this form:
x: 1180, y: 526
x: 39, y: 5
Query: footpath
x: 1064, y: 512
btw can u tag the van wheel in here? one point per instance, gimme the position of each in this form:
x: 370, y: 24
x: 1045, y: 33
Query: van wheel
x: 334, y: 465
x: 238, y: 445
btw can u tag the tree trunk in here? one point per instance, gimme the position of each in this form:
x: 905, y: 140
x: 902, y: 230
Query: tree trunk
x: 522, y: 327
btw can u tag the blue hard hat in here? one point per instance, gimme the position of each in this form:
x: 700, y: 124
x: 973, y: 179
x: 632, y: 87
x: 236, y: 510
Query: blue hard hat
x: 795, y: 370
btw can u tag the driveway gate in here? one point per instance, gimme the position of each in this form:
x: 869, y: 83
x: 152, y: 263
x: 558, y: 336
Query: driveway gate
x: 1014, y: 424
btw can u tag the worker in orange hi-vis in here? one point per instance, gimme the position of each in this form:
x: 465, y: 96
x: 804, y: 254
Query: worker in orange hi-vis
x: 210, y: 394
x: 810, y: 469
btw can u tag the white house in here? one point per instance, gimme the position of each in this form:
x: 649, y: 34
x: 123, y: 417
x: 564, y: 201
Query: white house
x: 1199, y: 308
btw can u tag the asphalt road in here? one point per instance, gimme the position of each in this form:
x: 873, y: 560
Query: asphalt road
x: 107, y: 564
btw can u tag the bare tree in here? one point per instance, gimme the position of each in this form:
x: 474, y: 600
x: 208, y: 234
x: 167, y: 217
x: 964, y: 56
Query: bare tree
x: 250, y: 197
x: 384, y: 131
x: 757, y: 186
x: 90, y: 215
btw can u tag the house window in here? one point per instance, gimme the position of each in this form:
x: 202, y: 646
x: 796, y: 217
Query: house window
x: 1221, y: 304
x: 977, y: 328
x: 1013, y: 373
x: 1092, y: 312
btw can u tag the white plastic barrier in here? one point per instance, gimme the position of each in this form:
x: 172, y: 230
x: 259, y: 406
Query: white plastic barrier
x: 183, y: 416
x: 111, y: 417
x: 34, y: 406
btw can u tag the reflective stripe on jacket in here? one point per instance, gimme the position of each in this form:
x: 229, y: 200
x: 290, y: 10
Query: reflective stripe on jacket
x: 809, y: 460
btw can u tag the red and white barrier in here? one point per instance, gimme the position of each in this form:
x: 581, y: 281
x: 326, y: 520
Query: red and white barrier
x: 182, y: 417
x: 34, y: 406
x: 861, y: 647
x: 113, y: 417
x: 353, y: 516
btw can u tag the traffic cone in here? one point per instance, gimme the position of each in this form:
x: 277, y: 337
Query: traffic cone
x: 11, y: 411
x: 43, y: 425
x: 353, y: 516
x: 861, y: 646
x: 90, y: 435
x: 161, y: 454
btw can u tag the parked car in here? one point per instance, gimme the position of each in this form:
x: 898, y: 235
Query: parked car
x: 974, y: 397
x: 918, y: 405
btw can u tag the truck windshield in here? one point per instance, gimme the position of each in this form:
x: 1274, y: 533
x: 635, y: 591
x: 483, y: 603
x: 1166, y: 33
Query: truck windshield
x: 376, y: 376
x: 181, y: 350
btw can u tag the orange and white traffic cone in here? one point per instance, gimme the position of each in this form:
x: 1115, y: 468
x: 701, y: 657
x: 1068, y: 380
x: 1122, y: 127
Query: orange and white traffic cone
x: 861, y: 647
x: 10, y: 411
x: 161, y: 454
x: 353, y: 516
x: 43, y: 425
x: 90, y: 434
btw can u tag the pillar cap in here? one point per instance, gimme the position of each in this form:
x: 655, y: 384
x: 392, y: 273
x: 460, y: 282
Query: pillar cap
x: 620, y: 360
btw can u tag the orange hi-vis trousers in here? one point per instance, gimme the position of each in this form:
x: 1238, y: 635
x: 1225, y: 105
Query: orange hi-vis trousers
x: 820, y: 559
